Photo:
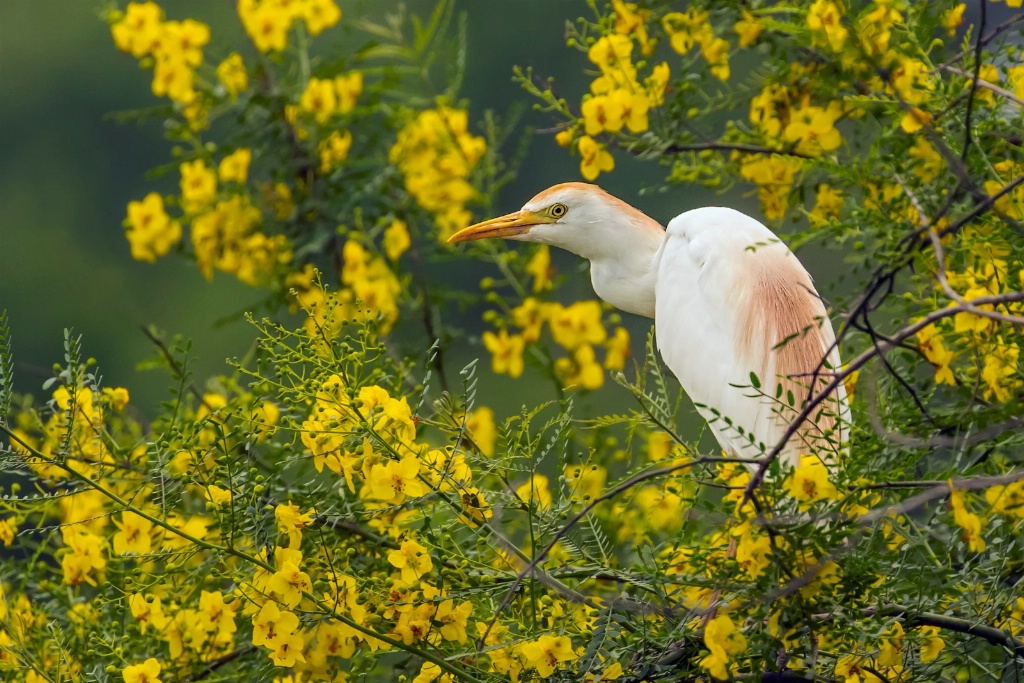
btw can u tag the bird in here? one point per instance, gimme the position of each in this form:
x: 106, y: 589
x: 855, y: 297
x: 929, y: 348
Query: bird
x: 736, y: 316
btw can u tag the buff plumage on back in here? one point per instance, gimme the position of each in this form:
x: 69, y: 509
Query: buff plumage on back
x: 784, y: 332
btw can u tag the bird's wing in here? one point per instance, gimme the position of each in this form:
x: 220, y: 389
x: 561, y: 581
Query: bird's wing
x: 731, y: 303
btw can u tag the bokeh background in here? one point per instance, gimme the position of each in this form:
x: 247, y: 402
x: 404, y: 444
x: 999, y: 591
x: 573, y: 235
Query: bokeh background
x: 68, y: 168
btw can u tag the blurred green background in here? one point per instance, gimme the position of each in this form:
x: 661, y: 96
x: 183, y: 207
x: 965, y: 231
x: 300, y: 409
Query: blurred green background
x: 68, y: 170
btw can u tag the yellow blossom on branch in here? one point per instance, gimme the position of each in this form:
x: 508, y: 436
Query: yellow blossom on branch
x: 594, y: 158
x: 970, y: 524
x: 150, y: 232
x: 809, y: 482
x: 547, y: 653
x: 233, y: 75
x: 234, y: 168
x: 724, y: 641
x: 506, y: 352
x: 147, y: 672
x: 412, y: 559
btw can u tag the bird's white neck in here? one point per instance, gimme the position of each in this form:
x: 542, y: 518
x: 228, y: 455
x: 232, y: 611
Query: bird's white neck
x: 626, y: 277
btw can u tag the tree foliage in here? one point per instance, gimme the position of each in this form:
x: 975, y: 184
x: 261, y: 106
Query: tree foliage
x: 342, y: 503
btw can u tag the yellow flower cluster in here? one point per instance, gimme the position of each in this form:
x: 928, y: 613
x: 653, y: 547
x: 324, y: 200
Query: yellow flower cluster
x: 175, y: 49
x: 690, y: 28
x: 379, y: 481
x: 577, y: 328
x: 209, y: 627
x: 436, y: 154
x: 268, y: 21
x: 980, y: 337
x: 150, y: 231
x: 617, y: 99
x: 225, y: 237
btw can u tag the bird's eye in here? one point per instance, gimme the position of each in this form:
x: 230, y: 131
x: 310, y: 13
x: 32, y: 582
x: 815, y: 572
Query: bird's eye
x: 558, y: 210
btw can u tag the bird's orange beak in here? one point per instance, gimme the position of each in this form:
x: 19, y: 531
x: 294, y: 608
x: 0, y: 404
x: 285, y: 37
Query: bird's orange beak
x: 515, y: 223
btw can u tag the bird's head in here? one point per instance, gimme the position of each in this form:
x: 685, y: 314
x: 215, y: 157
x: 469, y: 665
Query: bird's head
x: 577, y: 217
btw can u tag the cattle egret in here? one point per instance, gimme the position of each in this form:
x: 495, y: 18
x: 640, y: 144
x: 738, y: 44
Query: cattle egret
x: 736, y: 316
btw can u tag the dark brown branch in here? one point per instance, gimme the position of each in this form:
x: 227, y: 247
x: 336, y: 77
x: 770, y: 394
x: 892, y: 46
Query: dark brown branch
x: 996, y: 636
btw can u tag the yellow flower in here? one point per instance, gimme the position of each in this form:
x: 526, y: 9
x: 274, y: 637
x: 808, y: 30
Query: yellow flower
x: 952, y: 18
x: 826, y: 17
x: 118, y: 397
x: 289, y: 583
x: 183, y: 41
x: 827, y: 206
x: 147, y: 612
x: 215, y: 615
x: 271, y: 625
x: 396, y: 239
x: 432, y: 673
x: 631, y: 21
x: 594, y: 158
x: 147, y: 672
x: 610, y: 52
x: 334, y: 150
x: 348, y: 88
x: 232, y: 75
x: 914, y: 120
x: 716, y: 54
x: 686, y: 29
x: 853, y: 669
x: 396, y: 480
x: 319, y: 15
x: 218, y: 496
x: 932, y: 644
x: 601, y: 113
x: 547, y: 653
x: 151, y: 232
x: 413, y: 559
x: 535, y: 488
x: 1015, y: 76
x: 530, y: 316
x: 970, y: 524
x: 634, y: 106
x: 267, y: 23
x: 1007, y: 500
x: 748, y: 28
x: 198, y: 185
x: 291, y: 522
x: 8, y: 529
x: 453, y: 620
x: 578, y: 324
x: 506, y: 352
x: 809, y: 482
x: 813, y: 129
x: 319, y: 99
x: 724, y: 641
x: 481, y: 428
x: 928, y: 163
x: 134, y: 534
x: 930, y: 344
x: 1000, y: 371
x: 617, y: 350
x: 656, y: 84
x: 139, y: 30
x: 539, y: 267
x: 582, y: 370
x: 662, y: 509
x: 234, y: 168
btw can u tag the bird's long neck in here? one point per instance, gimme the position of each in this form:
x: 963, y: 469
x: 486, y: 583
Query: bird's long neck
x: 625, y: 277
